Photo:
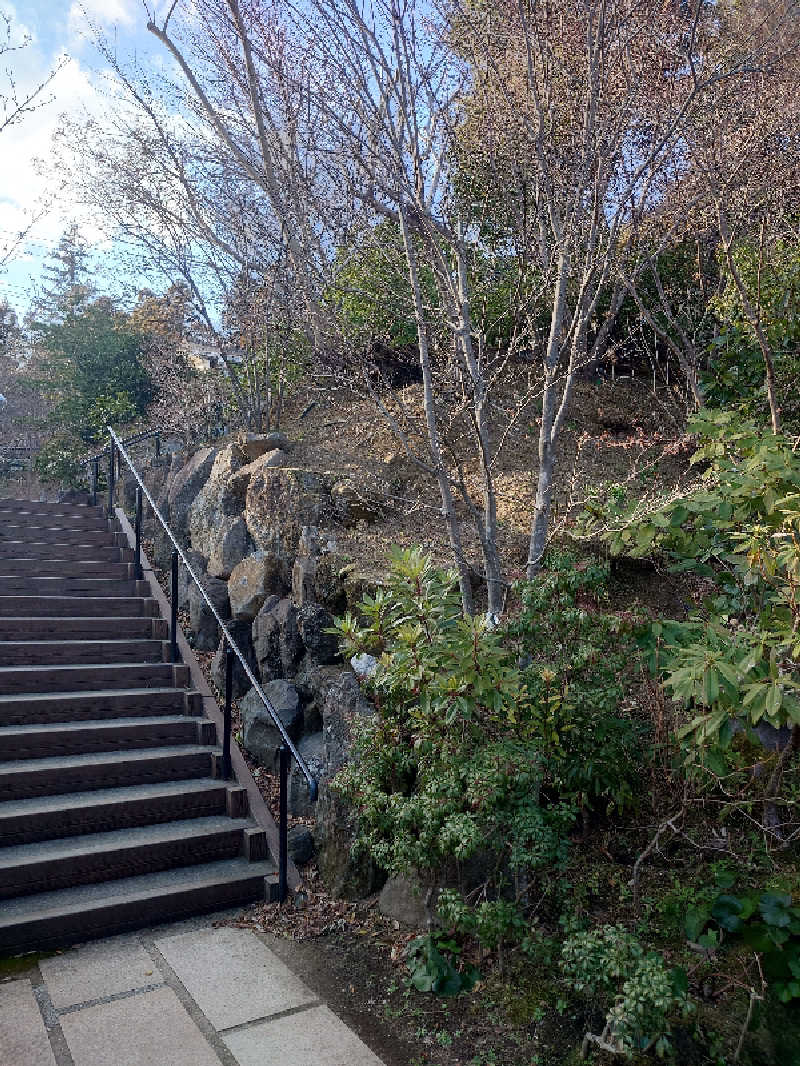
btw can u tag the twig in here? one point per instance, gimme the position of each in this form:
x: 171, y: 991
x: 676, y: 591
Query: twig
x: 651, y: 847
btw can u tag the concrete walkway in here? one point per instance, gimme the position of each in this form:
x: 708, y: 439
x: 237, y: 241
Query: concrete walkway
x: 190, y: 995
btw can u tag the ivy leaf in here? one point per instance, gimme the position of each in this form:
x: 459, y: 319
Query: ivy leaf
x: 775, y: 909
x: 726, y: 911
x: 696, y: 921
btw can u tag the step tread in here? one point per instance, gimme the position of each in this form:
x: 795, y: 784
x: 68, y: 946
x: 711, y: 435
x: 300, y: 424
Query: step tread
x: 85, y: 898
x: 79, y: 642
x: 99, y: 758
x: 47, y: 728
x: 50, y: 667
x: 82, y: 800
x: 87, y: 694
x: 18, y: 855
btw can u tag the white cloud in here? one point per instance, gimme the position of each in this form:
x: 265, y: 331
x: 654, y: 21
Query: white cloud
x: 102, y: 12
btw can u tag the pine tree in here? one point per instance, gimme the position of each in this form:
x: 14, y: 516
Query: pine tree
x: 67, y: 278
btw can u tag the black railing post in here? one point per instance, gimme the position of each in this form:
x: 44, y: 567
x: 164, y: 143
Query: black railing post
x: 158, y: 445
x: 283, y: 823
x: 138, y: 572
x: 111, y: 463
x: 227, y: 771
x: 95, y: 479
x: 173, y: 621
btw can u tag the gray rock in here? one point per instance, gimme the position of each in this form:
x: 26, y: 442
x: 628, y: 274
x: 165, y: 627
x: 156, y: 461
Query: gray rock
x: 335, y: 828
x: 214, y: 503
x: 313, y: 620
x: 185, y: 488
x: 300, y: 844
x: 198, y: 564
x: 258, y: 444
x: 312, y: 749
x: 279, y: 503
x: 314, y: 681
x: 276, y: 638
x: 230, y: 547
x: 238, y: 482
x: 260, y: 735
x: 403, y: 900
x: 201, y: 620
x: 364, y: 665
x: 251, y: 582
x: 240, y: 632
x: 765, y: 734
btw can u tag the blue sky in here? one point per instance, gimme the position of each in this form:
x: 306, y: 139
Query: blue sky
x: 58, y: 33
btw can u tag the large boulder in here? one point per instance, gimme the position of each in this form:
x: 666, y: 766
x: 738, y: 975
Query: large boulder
x: 198, y: 564
x: 335, y: 829
x: 300, y: 845
x: 258, y: 444
x: 240, y: 682
x: 184, y: 489
x: 314, y: 621
x: 162, y: 546
x: 280, y: 502
x: 276, y: 639
x: 260, y: 736
x: 202, y: 622
x: 314, y: 681
x: 214, y: 502
x: 312, y: 749
x: 251, y: 582
x: 239, y: 482
x: 230, y: 547
x: 304, y: 570
x: 404, y: 900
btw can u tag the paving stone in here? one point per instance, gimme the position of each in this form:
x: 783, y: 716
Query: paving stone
x: 151, y: 1029
x: 23, y: 1037
x: 94, y: 971
x: 314, y: 1035
x: 232, y: 976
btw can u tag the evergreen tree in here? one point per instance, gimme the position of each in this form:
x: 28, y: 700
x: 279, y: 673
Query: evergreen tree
x: 67, y: 278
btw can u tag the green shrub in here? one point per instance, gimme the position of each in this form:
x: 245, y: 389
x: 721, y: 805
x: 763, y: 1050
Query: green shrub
x: 479, y: 751
x: 638, y: 993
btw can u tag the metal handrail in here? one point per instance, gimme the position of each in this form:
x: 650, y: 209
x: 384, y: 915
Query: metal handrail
x: 231, y: 648
x: 135, y: 439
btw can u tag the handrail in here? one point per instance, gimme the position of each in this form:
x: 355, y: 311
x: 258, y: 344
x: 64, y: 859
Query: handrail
x: 287, y: 747
x: 135, y: 439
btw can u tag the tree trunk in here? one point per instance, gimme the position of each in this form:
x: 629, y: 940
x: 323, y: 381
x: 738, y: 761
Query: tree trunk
x: 488, y: 530
x: 547, y: 442
x: 434, y: 444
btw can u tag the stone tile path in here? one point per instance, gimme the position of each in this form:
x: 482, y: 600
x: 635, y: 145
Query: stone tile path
x: 198, y: 996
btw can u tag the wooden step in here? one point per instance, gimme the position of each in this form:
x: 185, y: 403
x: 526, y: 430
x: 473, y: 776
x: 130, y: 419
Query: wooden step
x: 72, y: 586
x: 91, y: 706
x: 71, y: 606
x: 86, y: 773
x: 47, y: 866
x: 23, y: 535
x: 42, y: 507
x: 55, y: 919
x: 74, y: 652
x: 47, y: 526
x: 98, y: 553
x: 66, y: 568
x: 14, y: 680
x: 71, y: 628
x: 81, y: 813
x: 46, y: 740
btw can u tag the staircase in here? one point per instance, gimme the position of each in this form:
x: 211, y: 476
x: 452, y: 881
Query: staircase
x: 110, y: 814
